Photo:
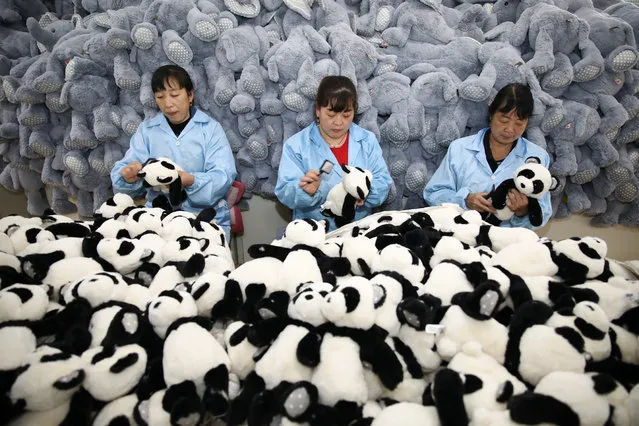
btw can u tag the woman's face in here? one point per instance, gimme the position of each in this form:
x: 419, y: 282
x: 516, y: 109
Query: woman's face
x: 174, y: 101
x: 334, y: 124
x: 506, y: 127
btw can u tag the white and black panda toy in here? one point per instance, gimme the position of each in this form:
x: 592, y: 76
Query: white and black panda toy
x: 535, y: 349
x: 23, y: 302
x: 581, y: 258
x: 24, y: 235
x: 342, y: 198
x: 56, y: 269
x: 162, y: 175
x: 113, y: 371
x: 116, y: 254
x: 531, y: 179
x: 47, y: 379
x: 303, y: 231
x: 192, y: 354
x: 114, y: 206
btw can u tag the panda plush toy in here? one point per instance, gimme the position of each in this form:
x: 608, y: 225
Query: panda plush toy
x: 342, y: 198
x: 161, y: 174
x: 531, y: 179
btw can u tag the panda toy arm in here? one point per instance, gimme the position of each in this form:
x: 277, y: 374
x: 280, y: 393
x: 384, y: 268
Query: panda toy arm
x: 499, y: 194
x: 348, y: 211
x: 535, y: 214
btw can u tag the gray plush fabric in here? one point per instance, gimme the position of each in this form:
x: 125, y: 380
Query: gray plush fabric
x: 75, y: 84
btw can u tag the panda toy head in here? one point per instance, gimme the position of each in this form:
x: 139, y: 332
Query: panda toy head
x: 169, y: 306
x: 112, y: 372
x: 121, y: 255
x: 114, y: 206
x: 95, y: 288
x: 161, y: 174
x: 23, y: 302
x: 207, y: 290
x: 119, y: 323
x: 533, y: 179
x: 57, y: 270
x: 357, y: 181
x: 581, y: 258
x: 14, y: 220
x: 306, y: 304
x: 177, y: 224
x: 142, y: 219
x: 112, y: 228
x: 304, y: 231
x: 181, y: 249
x: 352, y: 303
x: 48, y: 379
x: 22, y: 236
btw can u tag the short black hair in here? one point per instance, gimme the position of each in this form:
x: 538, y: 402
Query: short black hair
x: 163, y: 74
x: 337, y: 92
x: 516, y: 97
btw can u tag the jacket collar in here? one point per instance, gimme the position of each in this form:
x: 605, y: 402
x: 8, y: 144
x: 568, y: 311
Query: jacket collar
x: 356, y: 136
x: 160, y: 120
x: 477, y: 145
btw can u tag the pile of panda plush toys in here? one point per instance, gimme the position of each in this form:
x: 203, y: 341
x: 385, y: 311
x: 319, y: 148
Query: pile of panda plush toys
x: 423, y: 317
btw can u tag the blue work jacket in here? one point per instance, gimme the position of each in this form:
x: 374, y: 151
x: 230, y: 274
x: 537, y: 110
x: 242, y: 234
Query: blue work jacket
x: 465, y: 170
x: 307, y: 150
x: 201, y: 149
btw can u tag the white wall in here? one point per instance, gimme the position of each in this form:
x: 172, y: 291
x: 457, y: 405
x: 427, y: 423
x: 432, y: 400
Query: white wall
x: 265, y: 217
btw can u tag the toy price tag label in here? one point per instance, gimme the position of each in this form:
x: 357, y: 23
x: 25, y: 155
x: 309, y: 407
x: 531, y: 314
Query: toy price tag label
x: 434, y: 328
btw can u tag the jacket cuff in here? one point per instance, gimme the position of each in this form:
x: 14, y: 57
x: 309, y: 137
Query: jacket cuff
x: 462, y: 194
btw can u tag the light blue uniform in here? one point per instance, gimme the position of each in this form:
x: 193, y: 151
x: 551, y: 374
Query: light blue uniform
x: 307, y: 150
x: 465, y: 170
x: 201, y: 150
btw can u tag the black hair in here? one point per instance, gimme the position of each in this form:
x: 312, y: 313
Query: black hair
x: 162, y: 75
x: 515, y: 97
x: 337, y: 92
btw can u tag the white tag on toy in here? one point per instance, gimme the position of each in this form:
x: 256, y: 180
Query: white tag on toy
x: 434, y: 328
x: 327, y: 167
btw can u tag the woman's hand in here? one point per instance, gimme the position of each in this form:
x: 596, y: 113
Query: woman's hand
x: 517, y: 202
x: 130, y: 172
x: 187, y: 178
x: 359, y: 203
x: 310, y: 182
x: 477, y: 201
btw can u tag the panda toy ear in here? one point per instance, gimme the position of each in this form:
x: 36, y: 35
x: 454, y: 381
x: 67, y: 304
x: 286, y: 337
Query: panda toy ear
x: 554, y: 183
x: 345, y: 168
x: 533, y: 160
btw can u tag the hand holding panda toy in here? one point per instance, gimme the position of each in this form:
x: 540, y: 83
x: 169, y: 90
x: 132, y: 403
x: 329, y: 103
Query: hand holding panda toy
x: 531, y: 179
x: 163, y: 175
x: 350, y: 193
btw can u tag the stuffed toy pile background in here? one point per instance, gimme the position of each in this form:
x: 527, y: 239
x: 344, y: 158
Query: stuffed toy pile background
x: 76, y: 84
x: 424, y: 317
